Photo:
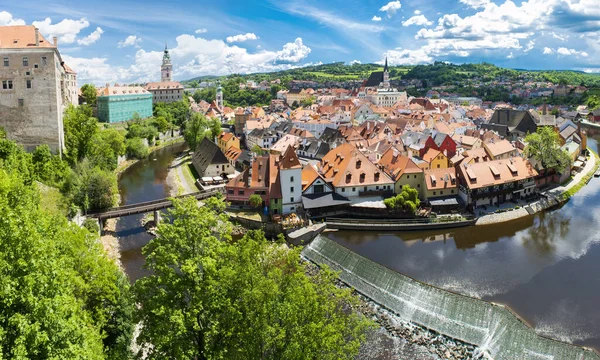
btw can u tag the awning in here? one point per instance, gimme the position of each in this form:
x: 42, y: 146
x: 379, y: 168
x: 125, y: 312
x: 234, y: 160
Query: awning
x: 217, y: 178
x: 448, y: 201
x: 314, y: 201
x: 207, y: 179
x: 578, y: 164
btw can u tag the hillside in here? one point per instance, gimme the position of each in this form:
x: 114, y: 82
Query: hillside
x: 438, y: 73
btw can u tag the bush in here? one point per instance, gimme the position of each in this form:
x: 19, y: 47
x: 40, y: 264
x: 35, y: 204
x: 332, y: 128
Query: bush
x: 407, y: 200
x: 136, y: 149
x: 91, y: 225
x: 255, y: 201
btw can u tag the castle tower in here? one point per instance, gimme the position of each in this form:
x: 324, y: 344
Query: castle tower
x: 219, y: 96
x: 386, y: 75
x: 166, y: 69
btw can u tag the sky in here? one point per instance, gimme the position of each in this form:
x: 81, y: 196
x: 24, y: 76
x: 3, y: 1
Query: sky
x: 122, y: 41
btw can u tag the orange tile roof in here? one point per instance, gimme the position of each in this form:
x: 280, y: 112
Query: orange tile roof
x: 289, y: 159
x: 431, y: 154
x: 440, y: 179
x: 346, y: 166
x: 397, y: 165
x: 498, y: 148
x: 309, y: 175
x: 480, y: 175
x: 21, y: 37
x: 260, y: 172
x: 163, y: 85
x: 226, y: 136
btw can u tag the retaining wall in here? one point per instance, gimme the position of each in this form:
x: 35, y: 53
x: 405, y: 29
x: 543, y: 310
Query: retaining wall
x: 495, y: 329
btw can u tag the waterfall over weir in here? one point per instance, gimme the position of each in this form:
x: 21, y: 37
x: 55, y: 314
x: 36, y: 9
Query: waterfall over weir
x: 498, y: 332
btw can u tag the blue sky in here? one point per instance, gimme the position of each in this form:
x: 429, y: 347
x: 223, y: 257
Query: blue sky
x: 122, y: 41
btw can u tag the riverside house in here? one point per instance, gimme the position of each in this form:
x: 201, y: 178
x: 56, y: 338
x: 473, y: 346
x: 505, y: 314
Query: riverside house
x: 495, y: 182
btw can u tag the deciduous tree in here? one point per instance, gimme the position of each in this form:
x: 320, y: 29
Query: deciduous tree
x: 544, y: 146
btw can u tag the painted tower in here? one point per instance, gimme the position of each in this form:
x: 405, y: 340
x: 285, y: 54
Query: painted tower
x: 386, y: 75
x: 166, y: 69
x: 219, y: 96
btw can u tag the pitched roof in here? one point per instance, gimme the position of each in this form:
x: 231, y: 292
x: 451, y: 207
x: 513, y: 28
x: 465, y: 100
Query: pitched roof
x: 289, y: 160
x: 346, y: 166
x: 439, y: 179
x: 121, y: 90
x: 163, y: 85
x: 491, y: 173
x: 21, y: 37
x: 498, y: 148
x: 226, y: 136
x: 375, y: 79
x: 309, y: 175
x: 431, y: 154
x: 396, y: 165
x: 207, y: 153
x: 260, y: 172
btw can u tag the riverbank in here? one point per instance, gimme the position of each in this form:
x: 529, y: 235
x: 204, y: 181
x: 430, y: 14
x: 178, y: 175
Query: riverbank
x: 128, y: 163
x: 180, y: 179
x: 553, y: 197
x: 110, y: 242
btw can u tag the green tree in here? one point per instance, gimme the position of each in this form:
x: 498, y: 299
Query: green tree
x: 161, y: 124
x: 208, y: 297
x: 255, y: 201
x: 62, y: 298
x: 80, y: 127
x: 106, y: 147
x: 136, y: 149
x: 214, y: 126
x: 89, y: 94
x: 257, y: 150
x: 407, y: 200
x: 544, y: 146
x: 195, y: 130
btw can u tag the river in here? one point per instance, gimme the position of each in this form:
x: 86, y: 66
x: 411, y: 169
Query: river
x: 545, y: 267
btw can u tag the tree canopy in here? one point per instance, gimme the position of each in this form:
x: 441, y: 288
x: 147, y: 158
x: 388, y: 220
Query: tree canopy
x: 407, y: 200
x: 544, y: 146
x: 61, y: 297
x: 209, y: 297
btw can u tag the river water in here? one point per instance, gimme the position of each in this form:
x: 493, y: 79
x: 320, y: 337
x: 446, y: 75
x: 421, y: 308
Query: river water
x: 545, y: 267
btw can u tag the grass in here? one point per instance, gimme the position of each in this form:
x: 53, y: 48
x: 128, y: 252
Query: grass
x: 251, y: 215
x: 51, y: 200
x: 188, y: 173
x: 572, y: 191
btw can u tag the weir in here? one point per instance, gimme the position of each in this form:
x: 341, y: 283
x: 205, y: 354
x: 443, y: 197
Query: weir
x: 495, y: 329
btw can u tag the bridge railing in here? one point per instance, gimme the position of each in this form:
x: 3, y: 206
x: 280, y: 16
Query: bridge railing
x: 153, y: 202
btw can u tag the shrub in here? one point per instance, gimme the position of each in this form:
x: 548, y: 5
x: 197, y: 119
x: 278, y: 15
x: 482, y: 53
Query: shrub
x: 91, y: 225
x: 135, y: 148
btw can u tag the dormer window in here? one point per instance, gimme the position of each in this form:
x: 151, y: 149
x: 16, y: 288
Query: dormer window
x: 376, y: 176
x: 362, y: 177
x: 358, y: 164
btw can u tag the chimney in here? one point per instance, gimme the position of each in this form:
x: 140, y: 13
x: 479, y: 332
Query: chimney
x: 37, y: 37
x: 55, y: 40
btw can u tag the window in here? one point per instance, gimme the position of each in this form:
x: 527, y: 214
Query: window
x: 438, y: 166
x: 291, y: 180
x: 25, y: 61
x: 292, y: 200
x: 240, y: 192
x: 434, y: 193
x: 418, y: 185
x: 291, y: 189
x: 7, y: 84
x: 230, y: 192
x: 6, y: 62
x: 451, y: 191
x: 343, y: 189
x: 35, y: 66
x: 353, y: 189
x: 319, y: 189
x: 21, y: 102
x: 44, y: 60
x: 441, y: 192
x: 276, y: 201
x: 29, y: 84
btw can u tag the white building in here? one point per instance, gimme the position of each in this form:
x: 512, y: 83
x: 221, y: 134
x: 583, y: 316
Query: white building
x: 387, y: 97
x: 290, y: 174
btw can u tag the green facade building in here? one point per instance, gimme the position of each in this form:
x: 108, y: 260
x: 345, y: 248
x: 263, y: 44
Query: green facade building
x: 120, y: 103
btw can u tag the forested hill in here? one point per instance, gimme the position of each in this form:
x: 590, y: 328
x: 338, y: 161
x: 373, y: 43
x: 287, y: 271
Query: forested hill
x: 438, y: 73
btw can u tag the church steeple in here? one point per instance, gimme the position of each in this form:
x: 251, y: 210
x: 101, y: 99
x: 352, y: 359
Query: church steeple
x: 386, y: 75
x: 166, y: 69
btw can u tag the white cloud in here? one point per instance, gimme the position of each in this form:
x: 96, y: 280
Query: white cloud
x: 66, y: 30
x: 510, y: 56
x: 6, y: 18
x: 91, y: 38
x: 201, y: 31
x: 293, y: 52
x: 571, y: 52
x: 559, y: 37
x: 420, y: 20
x: 391, y: 8
x: 131, y: 40
x: 530, y: 46
x: 548, y: 51
x: 376, y: 18
x: 242, y: 37
x: 193, y: 56
x: 417, y: 12
x: 476, y: 4
x: 355, y: 62
x: 407, y: 57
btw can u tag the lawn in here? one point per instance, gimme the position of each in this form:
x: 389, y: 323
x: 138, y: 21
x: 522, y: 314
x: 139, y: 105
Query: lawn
x: 51, y: 200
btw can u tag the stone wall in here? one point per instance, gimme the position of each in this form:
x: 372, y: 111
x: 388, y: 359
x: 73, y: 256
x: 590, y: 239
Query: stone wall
x: 32, y: 116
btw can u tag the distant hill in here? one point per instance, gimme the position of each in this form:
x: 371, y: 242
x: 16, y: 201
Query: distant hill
x: 438, y: 73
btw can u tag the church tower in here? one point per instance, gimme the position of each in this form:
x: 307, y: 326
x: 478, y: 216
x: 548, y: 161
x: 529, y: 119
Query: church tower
x: 386, y: 75
x: 219, y: 96
x: 166, y: 69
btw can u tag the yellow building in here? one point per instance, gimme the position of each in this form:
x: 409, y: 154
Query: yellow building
x: 435, y: 159
x: 227, y: 140
x: 440, y: 183
x: 403, y: 170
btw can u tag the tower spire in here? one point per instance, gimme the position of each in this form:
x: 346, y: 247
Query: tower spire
x: 385, y: 68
